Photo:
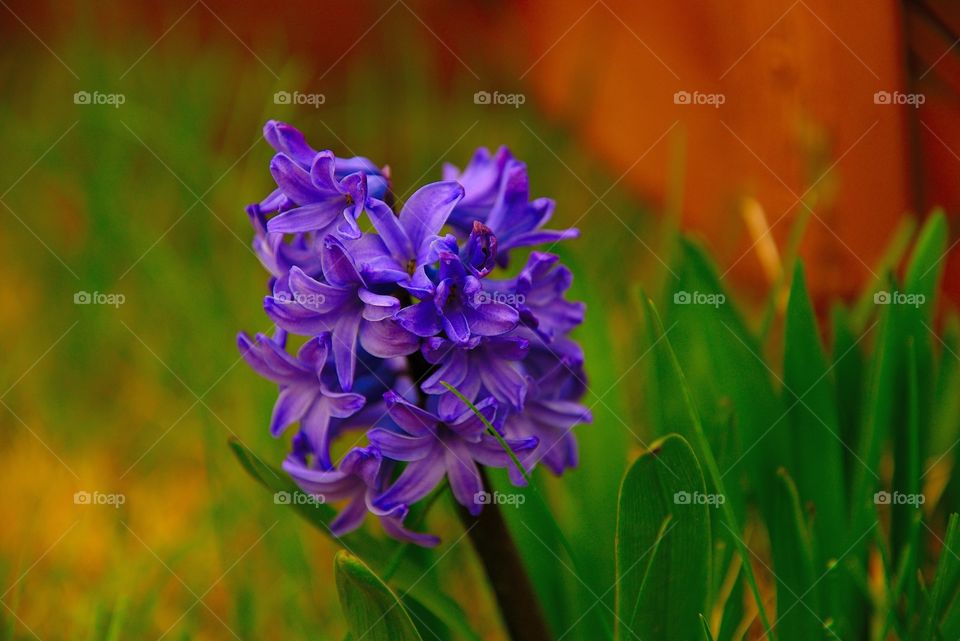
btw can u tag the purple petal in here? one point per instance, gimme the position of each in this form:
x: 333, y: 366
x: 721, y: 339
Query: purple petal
x: 469, y: 425
x: 294, y: 318
x: 453, y: 369
x: 350, y: 517
x: 480, y: 250
x: 456, y: 326
x: 316, y: 427
x: 268, y: 359
x: 402, y: 447
x: 416, y: 481
x: 322, y: 172
x: 488, y: 451
x: 378, y: 306
x: 451, y: 406
x: 503, y: 380
x: 338, y: 266
x: 425, y: 213
x: 293, y: 180
x: 463, y: 475
x: 344, y: 338
x: 287, y: 139
x: 292, y: 403
x: 511, y: 348
x: 391, y: 232
x: 387, y: 339
x: 310, y: 217
x: 394, y: 527
x: 421, y: 319
x: 313, y: 295
x: 540, y: 237
x: 335, y: 485
x: 409, y: 417
x: 492, y: 319
x: 343, y: 404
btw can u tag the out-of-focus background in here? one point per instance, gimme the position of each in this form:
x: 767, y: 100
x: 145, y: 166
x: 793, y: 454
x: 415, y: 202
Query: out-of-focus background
x: 131, y: 143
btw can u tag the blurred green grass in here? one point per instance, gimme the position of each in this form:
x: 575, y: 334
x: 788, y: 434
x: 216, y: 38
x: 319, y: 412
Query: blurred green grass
x: 140, y: 399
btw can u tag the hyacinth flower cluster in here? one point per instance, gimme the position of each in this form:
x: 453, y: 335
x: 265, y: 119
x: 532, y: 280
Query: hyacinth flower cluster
x: 387, y: 303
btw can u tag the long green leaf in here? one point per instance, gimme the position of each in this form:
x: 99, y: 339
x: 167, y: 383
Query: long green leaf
x: 713, y: 471
x: 663, y: 545
x: 372, y: 610
x: 723, y: 363
x: 945, y: 582
x: 810, y: 403
x: 798, y: 593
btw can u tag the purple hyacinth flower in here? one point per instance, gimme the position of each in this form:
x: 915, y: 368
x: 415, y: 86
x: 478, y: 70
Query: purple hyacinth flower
x: 491, y: 365
x: 345, y: 306
x: 549, y: 415
x: 407, y: 239
x: 367, y: 301
x: 516, y: 220
x: 458, y: 307
x: 556, y: 382
x: 324, y: 203
x: 358, y: 479
x: 538, y: 294
x: 287, y: 139
x: 308, y: 391
x: 275, y: 254
x: 434, y: 448
x: 481, y: 180
x: 479, y: 252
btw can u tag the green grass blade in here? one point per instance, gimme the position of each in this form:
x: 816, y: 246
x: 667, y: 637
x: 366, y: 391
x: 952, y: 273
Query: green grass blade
x: 372, y: 610
x: 810, y: 404
x: 726, y: 372
x: 663, y: 527
x: 944, y: 581
x: 799, y: 602
x: 713, y: 472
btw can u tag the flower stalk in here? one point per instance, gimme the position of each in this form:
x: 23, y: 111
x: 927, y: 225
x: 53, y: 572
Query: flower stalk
x: 515, y: 595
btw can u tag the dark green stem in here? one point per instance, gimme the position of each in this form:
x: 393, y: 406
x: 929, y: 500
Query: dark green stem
x: 504, y: 568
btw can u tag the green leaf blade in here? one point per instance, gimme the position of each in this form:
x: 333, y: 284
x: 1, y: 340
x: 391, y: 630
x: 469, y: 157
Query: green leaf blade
x: 663, y: 545
x: 372, y: 610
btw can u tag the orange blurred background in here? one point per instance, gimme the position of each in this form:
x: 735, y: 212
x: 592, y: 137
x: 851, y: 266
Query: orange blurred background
x: 799, y: 130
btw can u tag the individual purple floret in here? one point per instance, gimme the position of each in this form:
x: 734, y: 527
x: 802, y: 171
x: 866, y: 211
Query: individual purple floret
x: 457, y: 307
x: 481, y: 180
x: 307, y: 393
x: 435, y: 448
x: 394, y: 303
x: 358, y: 480
x: 345, y: 306
x: 516, y: 220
